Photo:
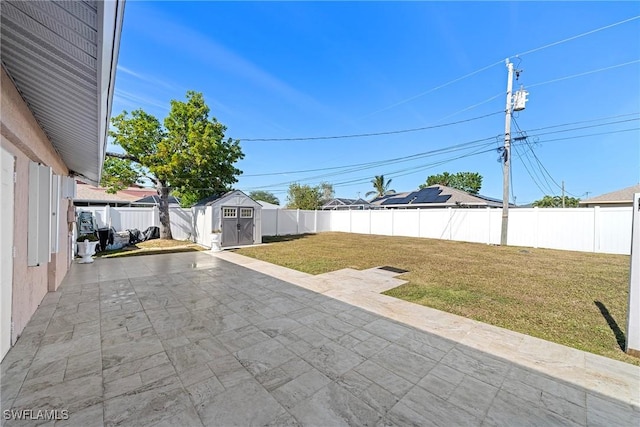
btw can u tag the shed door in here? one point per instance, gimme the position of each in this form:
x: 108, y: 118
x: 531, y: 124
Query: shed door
x: 6, y: 237
x: 245, y: 226
x: 229, y: 226
x: 237, y: 226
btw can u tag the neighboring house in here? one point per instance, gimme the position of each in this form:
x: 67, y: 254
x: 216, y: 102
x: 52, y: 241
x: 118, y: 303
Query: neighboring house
x: 434, y: 196
x: 617, y: 198
x: 91, y: 195
x: 58, y: 74
x: 268, y: 206
x: 346, y: 204
x: 154, y: 199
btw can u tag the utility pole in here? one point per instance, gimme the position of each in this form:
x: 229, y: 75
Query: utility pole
x: 506, y: 158
x: 563, y: 194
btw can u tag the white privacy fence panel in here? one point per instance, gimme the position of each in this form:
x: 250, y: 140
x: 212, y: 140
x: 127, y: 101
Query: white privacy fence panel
x: 307, y: 222
x: 360, y: 222
x: 182, y: 226
x: 287, y: 221
x: 324, y: 221
x: 406, y: 223
x: 614, y: 226
x: 341, y: 221
x: 604, y: 230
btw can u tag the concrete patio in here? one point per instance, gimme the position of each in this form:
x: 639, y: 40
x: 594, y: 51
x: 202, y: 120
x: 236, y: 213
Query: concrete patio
x: 194, y: 339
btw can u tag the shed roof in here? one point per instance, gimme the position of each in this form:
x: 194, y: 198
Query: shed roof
x: 624, y: 195
x: 208, y: 201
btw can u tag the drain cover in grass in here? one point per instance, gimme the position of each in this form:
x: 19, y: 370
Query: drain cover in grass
x: 393, y: 269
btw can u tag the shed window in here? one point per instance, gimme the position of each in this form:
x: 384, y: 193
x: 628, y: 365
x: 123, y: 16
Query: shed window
x: 229, y: 212
x: 246, y: 213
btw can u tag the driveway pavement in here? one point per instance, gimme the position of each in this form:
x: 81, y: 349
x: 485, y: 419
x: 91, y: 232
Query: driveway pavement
x: 219, y: 340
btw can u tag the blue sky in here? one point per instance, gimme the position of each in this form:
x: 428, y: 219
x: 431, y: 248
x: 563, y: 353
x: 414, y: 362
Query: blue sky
x: 303, y: 70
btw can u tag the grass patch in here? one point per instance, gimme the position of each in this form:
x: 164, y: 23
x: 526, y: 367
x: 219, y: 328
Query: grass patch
x: 560, y: 296
x: 152, y: 247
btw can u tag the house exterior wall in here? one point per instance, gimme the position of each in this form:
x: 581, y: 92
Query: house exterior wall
x: 24, y: 139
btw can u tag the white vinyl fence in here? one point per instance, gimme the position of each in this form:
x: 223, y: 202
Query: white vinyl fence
x: 603, y: 230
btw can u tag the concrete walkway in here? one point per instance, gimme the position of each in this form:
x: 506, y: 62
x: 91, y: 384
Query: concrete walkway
x: 220, y: 339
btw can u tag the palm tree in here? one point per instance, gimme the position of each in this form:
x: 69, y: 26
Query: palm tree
x: 381, y: 188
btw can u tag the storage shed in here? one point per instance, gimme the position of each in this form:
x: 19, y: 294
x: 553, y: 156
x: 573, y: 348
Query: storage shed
x: 237, y: 215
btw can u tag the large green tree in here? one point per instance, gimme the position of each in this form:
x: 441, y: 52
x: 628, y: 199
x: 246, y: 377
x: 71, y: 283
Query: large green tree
x: 188, y: 156
x: 471, y: 182
x: 380, y: 187
x: 304, y: 197
x: 556, y: 202
x: 264, y: 196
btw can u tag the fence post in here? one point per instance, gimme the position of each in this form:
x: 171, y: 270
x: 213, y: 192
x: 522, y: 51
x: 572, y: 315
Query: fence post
x: 350, y: 221
x: 596, y: 228
x: 370, y: 214
x: 107, y: 216
x: 277, y: 210
x: 297, y: 221
x: 392, y: 220
x: 449, y: 223
x: 536, y: 210
x: 488, y: 225
x: 155, y: 216
x: 315, y: 221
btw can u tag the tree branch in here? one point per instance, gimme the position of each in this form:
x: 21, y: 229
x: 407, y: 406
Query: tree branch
x: 123, y: 156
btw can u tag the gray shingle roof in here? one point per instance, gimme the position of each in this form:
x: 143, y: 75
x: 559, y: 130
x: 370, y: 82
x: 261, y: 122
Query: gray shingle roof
x: 618, y: 196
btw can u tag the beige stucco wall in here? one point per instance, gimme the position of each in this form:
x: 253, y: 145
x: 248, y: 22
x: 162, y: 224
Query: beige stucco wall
x: 22, y: 136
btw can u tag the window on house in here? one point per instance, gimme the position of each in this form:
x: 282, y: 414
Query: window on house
x: 246, y: 213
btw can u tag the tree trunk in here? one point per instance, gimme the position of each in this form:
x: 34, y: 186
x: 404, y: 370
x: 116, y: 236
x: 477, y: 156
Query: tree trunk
x: 163, y: 209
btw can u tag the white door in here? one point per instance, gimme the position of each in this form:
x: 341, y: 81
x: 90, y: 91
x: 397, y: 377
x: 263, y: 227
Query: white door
x: 6, y: 254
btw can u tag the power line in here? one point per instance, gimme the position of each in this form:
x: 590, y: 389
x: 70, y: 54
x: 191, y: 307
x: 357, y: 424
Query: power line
x: 501, y: 61
x: 615, y: 24
x: 362, y: 135
x: 584, y: 73
x: 274, y: 187
x: 443, y: 150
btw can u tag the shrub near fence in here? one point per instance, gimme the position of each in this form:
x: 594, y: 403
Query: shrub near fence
x: 604, y: 230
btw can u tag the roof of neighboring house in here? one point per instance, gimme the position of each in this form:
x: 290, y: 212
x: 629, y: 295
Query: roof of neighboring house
x: 88, y: 192
x: 339, y: 201
x: 62, y: 58
x: 155, y: 199
x: 436, y: 196
x: 267, y: 205
x: 619, y: 196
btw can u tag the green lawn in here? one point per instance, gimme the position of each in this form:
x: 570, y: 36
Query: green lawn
x: 572, y: 298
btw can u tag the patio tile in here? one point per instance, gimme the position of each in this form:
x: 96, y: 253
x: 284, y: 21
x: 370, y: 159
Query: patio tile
x: 189, y: 339
x: 332, y: 359
x: 385, y: 378
x: 300, y: 388
x: 148, y: 405
x: 369, y: 392
x: 245, y: 404
x: 509, y: 409
x: 334, y: 406
x: 434, y: 407
x: 404, y: 363
x: 204, y: 391
x: 263, y: 356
